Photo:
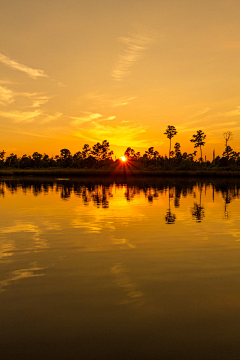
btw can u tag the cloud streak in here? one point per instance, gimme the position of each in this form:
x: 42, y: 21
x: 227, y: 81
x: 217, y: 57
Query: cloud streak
x: 33, y: 73
x: 87, y: 118
x: 121, y: 135
x: 134, y: 48
x: 21, y: 116
x: 6, y: 96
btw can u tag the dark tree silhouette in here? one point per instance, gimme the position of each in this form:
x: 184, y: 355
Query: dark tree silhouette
x: 228, y: 152
x: 130, y: 153
x: 65, y: 154
x: 86, y: 151
x: 2, y: 155
x: 151, y: 154
x: 198, y: 140
x: 102, y: 151
x: 228, y: 135
x: 170, y: 132
x: 37, y: 157
x: 177, y: 150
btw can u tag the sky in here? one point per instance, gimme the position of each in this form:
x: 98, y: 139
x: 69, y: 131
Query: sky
x: 82, y: 71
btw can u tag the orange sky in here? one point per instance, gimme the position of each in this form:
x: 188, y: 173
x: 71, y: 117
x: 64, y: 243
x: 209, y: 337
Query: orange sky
x: 80, y: 72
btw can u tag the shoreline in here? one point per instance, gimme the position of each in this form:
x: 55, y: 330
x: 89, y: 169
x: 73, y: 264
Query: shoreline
x: 119, y: 173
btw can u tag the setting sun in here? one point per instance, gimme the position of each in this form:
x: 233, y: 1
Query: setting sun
x: 123, y: 158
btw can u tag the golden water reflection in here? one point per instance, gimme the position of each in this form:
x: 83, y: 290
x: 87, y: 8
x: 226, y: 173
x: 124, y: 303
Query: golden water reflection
x: 92, y: 261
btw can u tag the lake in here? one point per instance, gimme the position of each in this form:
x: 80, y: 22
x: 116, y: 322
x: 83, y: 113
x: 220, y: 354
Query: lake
x: 120, y: 268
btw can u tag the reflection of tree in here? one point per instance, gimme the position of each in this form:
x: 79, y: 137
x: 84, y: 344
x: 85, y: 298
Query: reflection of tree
x: 227, y: 197
x: 99, y: 191
x: 2, y: 192
x: 170, y: 217
x: 197, y: 210
x: 177, y: 197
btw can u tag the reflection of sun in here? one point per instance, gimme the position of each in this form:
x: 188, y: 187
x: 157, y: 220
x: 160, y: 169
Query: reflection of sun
x: 123, y: 158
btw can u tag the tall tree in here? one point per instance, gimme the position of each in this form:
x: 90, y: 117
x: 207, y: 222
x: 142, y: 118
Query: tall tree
x: 198, y: 140
x: 170, y: 132
x: 228, y: 135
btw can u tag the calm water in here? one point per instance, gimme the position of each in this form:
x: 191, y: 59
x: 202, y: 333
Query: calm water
x: 94, y: 269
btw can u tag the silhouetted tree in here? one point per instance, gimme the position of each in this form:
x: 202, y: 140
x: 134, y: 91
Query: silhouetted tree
x: 151, y: 154
x: 198, y: 140
x: 12, y: 160
x: 138, y: 155
x: 36, y: 158
x: 170, y: 132
x: 2, y: 155
x: 130, y: 153
x: 177, y: 150
x: 65, y: 153
x: 102, y: 151
x: 86, y: 151
x: 228, y: 152
x: 65, y: 157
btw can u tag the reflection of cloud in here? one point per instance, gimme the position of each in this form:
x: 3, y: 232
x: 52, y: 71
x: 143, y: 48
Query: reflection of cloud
x: 33, y: 73
x: 123, y: 242
x: 6, y: 249
x: 135, y: 46
x: 21, y: 226
x: 21, y: 274
x: 133, y: 295
x: 6, y: 96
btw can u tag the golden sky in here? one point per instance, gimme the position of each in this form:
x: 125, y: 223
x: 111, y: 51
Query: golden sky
x: 84, y: 71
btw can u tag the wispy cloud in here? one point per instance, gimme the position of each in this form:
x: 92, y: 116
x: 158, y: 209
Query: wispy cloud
x: 21, y: 116
x: 87, y: 118
x: 91, y: 117
x: 109, y: 118
x: 134, y: 48
x: 121, y: 135
x: 37, y: 99
x: 232, y: 112
x: 6, y: 96
x: 13, y: 64
x: 46, y: 118
x: 200, y: 112
x: 106, y: 100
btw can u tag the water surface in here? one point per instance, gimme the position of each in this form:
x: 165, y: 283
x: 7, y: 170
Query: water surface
x: 124, y: 269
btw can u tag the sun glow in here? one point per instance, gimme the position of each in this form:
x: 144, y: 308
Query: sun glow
x: 123, y: 158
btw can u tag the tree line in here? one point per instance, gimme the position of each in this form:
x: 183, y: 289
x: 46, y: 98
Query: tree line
x: 100, y: 156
